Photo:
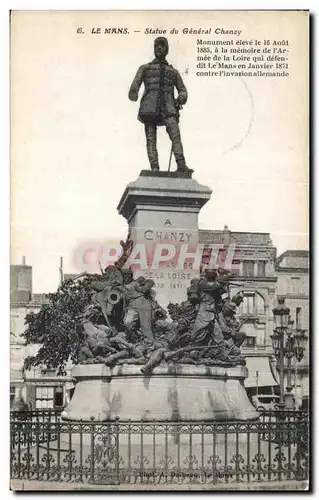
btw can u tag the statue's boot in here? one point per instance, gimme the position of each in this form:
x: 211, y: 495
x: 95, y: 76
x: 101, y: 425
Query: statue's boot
x: 154, y: 360
x: 233, y: 350
x: 182, y: 167
x: 223, y: 351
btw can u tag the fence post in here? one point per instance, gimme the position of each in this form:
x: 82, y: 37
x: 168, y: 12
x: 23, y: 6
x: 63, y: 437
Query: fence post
x: 92, y: 451
x: 117, y: 451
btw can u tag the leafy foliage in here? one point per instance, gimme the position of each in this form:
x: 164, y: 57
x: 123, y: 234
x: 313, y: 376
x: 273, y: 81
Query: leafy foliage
x: 57, y: 326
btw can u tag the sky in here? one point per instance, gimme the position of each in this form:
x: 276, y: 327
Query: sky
x: 76, y: 142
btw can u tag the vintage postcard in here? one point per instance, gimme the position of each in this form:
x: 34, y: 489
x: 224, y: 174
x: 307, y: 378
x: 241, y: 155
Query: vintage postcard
x: 159, y: 318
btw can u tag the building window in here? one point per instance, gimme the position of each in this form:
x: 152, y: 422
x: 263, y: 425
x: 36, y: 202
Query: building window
x: 58, y: 397
x: 253, y: 305
x: 260, y: 304
x: 295, y: 284
x: 49, y: 397
x: 44, y: 397
x: 250, y: 342
x: 12, y: 394
x: 261, y: 335
x: 261, y: 268
x: 248, y: 305
x: 248, y: 268
x: 235, y: 269
x: 298, y: 318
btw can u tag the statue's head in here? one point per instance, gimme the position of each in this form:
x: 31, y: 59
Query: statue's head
x: 160, y: 47
x: 127, y: 275
x: 141, y: 280
x: 229, y: 309
x: 211, y: 274
x: 238, y: 298
x: 148, y: 285
x: 195, y: 281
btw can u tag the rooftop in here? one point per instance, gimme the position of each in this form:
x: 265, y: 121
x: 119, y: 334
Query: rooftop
x: 293, y: 259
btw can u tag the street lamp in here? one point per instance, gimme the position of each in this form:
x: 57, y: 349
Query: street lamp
x: 281, y: 316
x: 286, y: 344
x: 289, y: 352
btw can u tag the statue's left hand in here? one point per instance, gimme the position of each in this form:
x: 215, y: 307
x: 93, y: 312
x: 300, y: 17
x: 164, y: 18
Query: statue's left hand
x: 133, y: 96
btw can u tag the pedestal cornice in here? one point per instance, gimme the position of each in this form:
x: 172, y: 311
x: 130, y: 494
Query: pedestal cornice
x: 163, y: 191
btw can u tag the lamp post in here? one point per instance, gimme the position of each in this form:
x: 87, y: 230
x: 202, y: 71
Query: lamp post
x: 289, y: 353
x: 300, y: 341
x: 286, y: 344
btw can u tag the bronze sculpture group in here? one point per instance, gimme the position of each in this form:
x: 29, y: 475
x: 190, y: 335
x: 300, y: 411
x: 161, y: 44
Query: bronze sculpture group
x: 124, y: 324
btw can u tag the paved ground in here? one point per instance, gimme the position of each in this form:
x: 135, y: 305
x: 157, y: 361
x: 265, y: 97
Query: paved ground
x: 23, y: 485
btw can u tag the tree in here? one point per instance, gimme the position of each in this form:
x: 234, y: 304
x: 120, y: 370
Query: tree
x: 57, y: 327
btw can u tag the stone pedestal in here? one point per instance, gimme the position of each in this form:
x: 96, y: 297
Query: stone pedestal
x: 172, y: 392
x: 162, y: 213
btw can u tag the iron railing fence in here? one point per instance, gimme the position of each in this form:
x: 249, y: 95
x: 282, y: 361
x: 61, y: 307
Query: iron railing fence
x: 272, y: 448
x: 36, y: 416
x: 42, y: 415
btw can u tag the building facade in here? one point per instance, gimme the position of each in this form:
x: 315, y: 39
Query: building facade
x: 37, y: 388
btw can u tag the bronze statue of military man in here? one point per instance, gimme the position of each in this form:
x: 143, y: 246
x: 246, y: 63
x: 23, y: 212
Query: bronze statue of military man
x: 158, y: 105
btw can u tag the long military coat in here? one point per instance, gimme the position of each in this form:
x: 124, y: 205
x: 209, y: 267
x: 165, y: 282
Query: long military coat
x: 158, y: 101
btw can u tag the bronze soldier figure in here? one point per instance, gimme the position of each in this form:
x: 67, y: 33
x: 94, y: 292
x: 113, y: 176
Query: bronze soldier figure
x: 158, y: 105
x: 140, y: 304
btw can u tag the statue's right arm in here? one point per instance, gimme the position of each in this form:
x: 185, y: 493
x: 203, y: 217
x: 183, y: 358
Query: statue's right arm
x: 98, y: 286
x: 209, y: 286
x: 136, y: 84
